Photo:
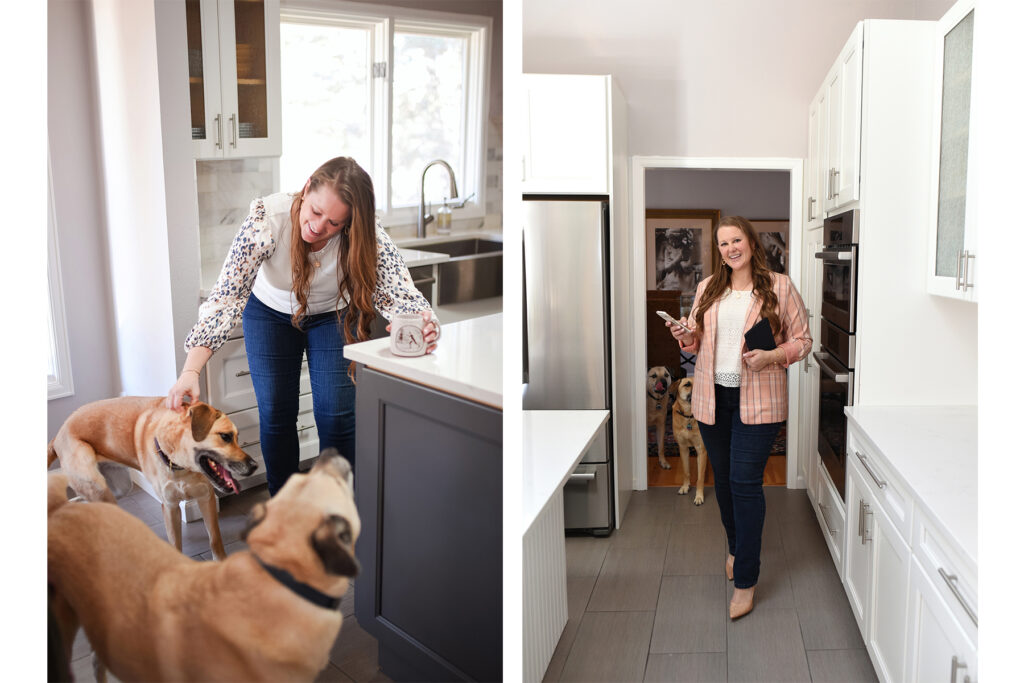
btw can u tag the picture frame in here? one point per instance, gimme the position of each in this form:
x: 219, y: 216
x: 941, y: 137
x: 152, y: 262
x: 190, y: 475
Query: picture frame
x: 774, y: 234
x: 678, y: 249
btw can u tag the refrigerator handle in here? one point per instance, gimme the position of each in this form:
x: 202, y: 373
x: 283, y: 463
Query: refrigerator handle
x: 526, y: 330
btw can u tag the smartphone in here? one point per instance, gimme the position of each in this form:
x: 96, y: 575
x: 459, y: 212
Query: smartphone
x: 678, y: 323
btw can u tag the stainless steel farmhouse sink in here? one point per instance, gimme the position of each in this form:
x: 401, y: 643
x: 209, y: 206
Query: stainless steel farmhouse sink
x: 474, y: 271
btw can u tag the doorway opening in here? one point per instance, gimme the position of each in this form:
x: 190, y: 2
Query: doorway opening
x: 677, y: 203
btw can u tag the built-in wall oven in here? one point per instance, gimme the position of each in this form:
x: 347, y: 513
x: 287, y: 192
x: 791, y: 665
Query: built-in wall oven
x: 838, y: 340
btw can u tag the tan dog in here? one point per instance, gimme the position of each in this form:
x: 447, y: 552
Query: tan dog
x: 684, y: 428
x: 184, y: 455
x: 658, y: 381
x: 153, y: 614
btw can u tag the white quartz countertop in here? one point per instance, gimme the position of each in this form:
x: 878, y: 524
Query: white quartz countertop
x: 416, y: 257
x: 934, y: 451
x: 554, y: 442
x: 466, y: 363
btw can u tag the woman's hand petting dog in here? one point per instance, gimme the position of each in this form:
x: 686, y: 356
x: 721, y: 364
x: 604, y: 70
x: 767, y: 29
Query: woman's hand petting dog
x: 681, y: 335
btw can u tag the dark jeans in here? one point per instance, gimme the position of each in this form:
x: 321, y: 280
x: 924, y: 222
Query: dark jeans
x: 738, y: 454
x: 274, y: 350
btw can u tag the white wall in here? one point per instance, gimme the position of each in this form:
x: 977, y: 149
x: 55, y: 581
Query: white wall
x: 724, y: 78
x: 72, y: 129
x: 751, y: 194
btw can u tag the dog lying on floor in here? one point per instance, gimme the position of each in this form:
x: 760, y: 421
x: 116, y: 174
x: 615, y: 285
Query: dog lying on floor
x: 184, y: 455
x: 658, y: 381
x: 267, y: 613
x: 684, y: 428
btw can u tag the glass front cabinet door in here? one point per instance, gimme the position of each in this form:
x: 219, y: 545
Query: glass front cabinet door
x: 953, y: 259
x: 234, y: 77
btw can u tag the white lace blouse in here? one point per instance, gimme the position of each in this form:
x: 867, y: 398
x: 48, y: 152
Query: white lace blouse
x: 732, y: 313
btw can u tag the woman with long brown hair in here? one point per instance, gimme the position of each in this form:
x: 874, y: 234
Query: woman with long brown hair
x: 739, y: 394
x: 307, y: 272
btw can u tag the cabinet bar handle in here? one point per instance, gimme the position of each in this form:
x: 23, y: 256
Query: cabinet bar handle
x: 220, y: 131
x: 582, y: 477
x: 824, y: 515
x: 950, y: 580
x: 967, y: 262
x: 234, y: 131
x: 248, y: 443
x: 810, y: 208
x: 302, y: 429
x: 959, y: 259
x: 866, y: 537
x: 860, y: 522
x: 957, y: 665
x: 880, y: 483
x: 241, y: 373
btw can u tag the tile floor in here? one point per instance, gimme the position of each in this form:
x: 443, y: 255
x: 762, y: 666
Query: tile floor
x: 649, y: 603
x: 354, y: 655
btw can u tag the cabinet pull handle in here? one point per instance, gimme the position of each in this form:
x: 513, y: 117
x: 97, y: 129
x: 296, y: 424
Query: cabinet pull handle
x: 959, y: 260
x: 241, y: 373
x: 220, y: 131
x: 302, y: 429
x: 951, y: 581
x: 860, y: 522
x: 824, y: 515
x: 880, y: 483
x: 967, y: 262
x: 234, y: 131
x: 248, y: 443
x: 810, y: 208
x: 957, y: 665
x: 865, y: 538
x: 582, y: 477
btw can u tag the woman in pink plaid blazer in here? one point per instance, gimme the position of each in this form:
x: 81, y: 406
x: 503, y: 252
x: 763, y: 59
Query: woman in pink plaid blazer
x: 739, y: 395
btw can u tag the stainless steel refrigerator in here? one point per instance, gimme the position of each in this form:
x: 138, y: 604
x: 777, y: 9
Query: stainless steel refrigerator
x: 566, y: 337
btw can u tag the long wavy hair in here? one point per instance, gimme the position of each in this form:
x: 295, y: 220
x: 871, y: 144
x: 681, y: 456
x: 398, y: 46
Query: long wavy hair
x: 721, y: 276
x: 357, y: 250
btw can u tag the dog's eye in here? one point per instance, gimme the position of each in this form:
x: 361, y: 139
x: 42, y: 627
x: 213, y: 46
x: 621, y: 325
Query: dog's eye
x: 345, y: 537
x: 226, y: 437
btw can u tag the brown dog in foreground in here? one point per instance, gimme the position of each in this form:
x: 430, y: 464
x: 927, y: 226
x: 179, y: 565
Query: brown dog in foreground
x: 684, y: 428
x: 658, y: 381
x: 184, y: 455
x: 153, y: 614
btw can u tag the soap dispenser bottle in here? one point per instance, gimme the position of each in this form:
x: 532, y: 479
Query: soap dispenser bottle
x: 444, y: 219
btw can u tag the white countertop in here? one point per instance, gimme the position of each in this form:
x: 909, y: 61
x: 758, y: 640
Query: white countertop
x: 467, y: 361
x: 554, y: 442
x: 415, y: 257
x: 933, y: 450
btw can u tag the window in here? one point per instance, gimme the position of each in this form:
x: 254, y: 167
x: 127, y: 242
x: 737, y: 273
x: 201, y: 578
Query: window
x: 58, y: 369
x: 394, y: 89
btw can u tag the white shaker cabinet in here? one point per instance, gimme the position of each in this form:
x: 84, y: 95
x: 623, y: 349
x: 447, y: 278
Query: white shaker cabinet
x: 952, y: 253
x: 567, y: 148
x: 817, y: 161
x: 938, y: 649
x: 234, y: 68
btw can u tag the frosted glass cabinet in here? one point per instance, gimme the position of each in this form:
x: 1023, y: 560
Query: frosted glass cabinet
x: 953, y: 263
x: 234, y: 77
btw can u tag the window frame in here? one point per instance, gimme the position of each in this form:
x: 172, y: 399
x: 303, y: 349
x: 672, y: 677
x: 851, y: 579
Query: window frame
x: 58, y: 385
x: 384, y: 21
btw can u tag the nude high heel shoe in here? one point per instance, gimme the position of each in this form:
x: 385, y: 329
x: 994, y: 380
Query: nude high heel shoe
x: 742, y: 602
x: 728, y: 566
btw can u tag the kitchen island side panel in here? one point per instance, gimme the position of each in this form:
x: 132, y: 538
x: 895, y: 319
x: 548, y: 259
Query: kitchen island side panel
x: 429, y: 493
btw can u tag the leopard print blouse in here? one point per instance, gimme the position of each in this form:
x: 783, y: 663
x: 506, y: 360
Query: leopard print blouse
x: 254, y: 243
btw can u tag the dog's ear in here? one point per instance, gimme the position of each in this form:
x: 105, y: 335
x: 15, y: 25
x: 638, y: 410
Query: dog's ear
x: 672, y: 387
x: 256, y: 515
x: 333, y: 543
x: 203, y: 417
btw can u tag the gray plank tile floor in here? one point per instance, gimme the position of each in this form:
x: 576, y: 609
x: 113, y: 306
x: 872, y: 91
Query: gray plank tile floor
x: 650, y: 602
x: 354, y: 655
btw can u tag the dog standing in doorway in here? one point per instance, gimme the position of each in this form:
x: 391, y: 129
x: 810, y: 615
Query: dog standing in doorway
x: 684, y: 428
x: 658, y: 382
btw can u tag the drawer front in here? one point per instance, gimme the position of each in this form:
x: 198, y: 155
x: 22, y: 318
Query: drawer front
x: 832, y: 517
x: 229, y: 385
x: 889, y: 493
x: 953, y: 575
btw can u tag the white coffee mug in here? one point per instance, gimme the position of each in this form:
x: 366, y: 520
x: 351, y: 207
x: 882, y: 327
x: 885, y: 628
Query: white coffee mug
x: 407, y: 335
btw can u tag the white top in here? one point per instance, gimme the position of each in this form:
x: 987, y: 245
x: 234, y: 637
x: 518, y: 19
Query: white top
x: 554, y: 442
x: 732, y: 314
x: 933, y: 451
x: 466, y: 363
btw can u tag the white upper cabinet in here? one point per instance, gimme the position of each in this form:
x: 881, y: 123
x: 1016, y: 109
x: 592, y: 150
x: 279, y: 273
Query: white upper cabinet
x: 817, y: 158
x: 568, y: 132
x: 234, y: 66
x: 952, y: 263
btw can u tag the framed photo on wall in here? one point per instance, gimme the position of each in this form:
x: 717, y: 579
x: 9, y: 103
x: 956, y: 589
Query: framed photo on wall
x: 678, y: 247
x: 774, y: 236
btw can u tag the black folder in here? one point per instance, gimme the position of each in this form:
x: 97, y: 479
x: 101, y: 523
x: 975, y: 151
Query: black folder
x: 760, y: 336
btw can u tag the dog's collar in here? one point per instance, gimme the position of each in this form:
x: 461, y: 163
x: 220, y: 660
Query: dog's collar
x: 163, y: 456
x: 688, y: 417
x: 301, y: 589
x: 657, y: 398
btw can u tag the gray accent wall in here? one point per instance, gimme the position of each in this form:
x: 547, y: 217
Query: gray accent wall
x: 73, y: 131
